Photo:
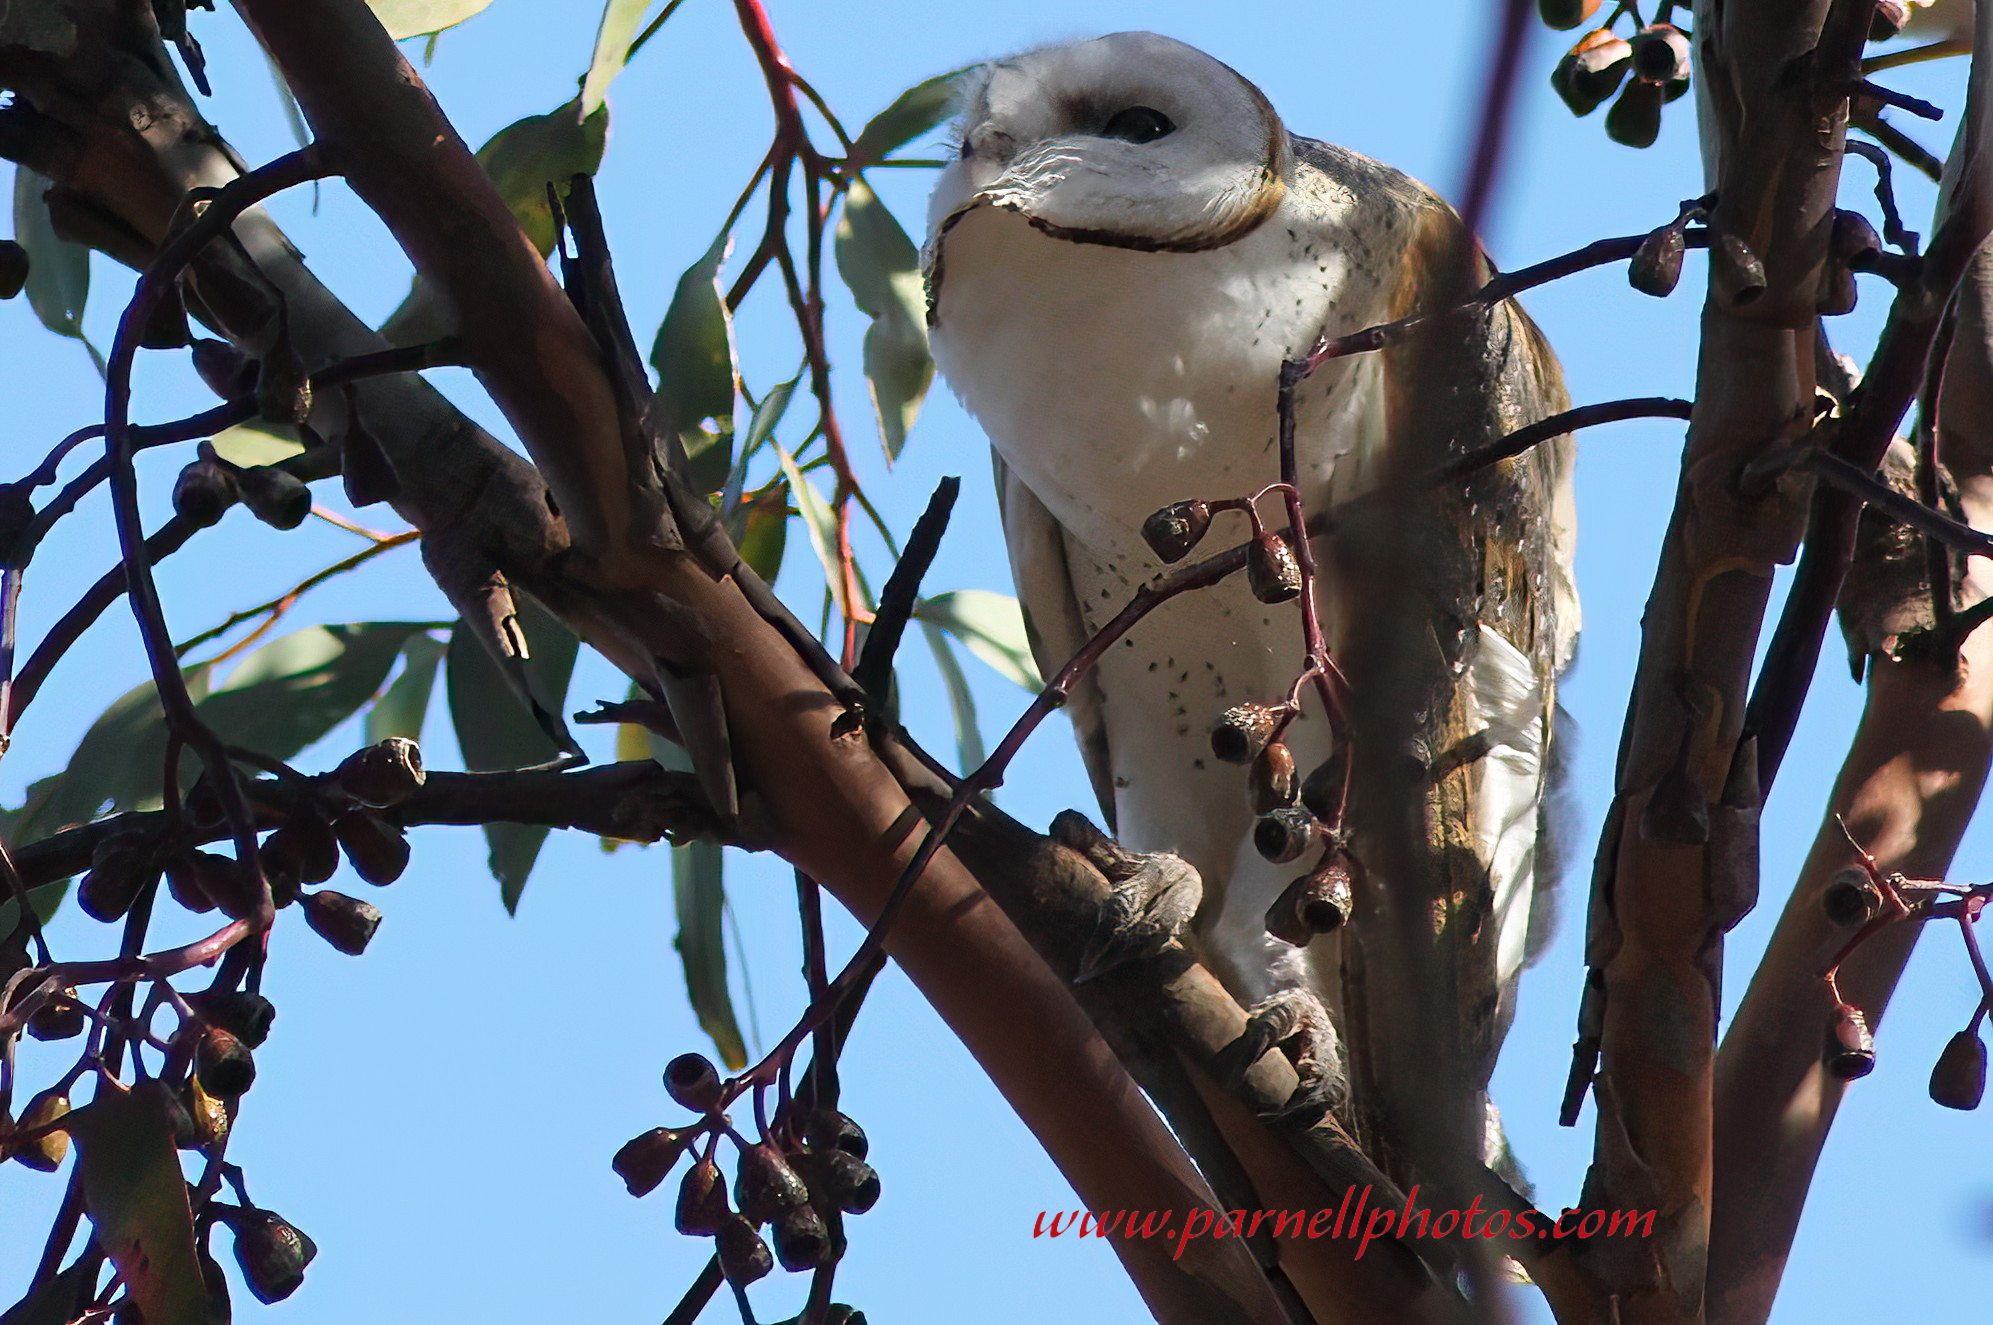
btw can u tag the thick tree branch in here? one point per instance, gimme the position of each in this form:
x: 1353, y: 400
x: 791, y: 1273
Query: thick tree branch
x: 1907, y: 791
x: 830, y: 807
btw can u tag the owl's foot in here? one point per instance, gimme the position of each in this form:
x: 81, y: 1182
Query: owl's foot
x: 1153, y: 898
x: 1297, y: 1019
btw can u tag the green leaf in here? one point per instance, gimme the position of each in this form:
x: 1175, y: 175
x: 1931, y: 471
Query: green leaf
x: 991, y: 624
x: 612, y: 46
x: 882, y: 267
x: 137, y: 1200
x: 118, y: 764
x: 496, y: 730
x: 961, y: 703
x: 818, y: 521
x: 291, y: 692
x: 400, y: 712
x: 418, y: 18
x: 698, y: 885
x: 258, y: 443
x: 763, y: 533
x: 521, y: 159
x: 914, y: 112
x: 697, y: 370
x: 58, y: 270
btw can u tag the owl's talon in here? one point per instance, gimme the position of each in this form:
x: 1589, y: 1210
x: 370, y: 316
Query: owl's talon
x: 1152, y: 900
x: 1296, y: 1018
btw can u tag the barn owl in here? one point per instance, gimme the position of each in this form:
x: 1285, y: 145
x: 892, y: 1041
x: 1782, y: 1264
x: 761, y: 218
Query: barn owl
x: 1126, y: 249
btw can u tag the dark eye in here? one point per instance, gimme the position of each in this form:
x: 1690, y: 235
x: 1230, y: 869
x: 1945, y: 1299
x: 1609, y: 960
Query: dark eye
x: 1138, y: 124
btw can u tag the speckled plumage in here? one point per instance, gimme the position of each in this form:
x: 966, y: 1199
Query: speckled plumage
x: 1115, y: 313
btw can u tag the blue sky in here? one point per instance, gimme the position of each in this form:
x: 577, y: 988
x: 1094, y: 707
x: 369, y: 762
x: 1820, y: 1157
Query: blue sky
x: 439, y: 1114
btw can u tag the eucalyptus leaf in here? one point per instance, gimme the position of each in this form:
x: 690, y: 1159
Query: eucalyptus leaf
x: 419, y: 18
x: 961, y: 703
x: 763, y: 533
x: 620, y: 19
x: 818, y: 521
x: 991, y: 624
x: 291, y: 692
x: 698, y: 885
x: 496, y: 730
x: 914, y: 112
x: 402, y: 709
x: 698, y: 373
x: 58, y: 270
x: 136, y: 1197
x: 882, y: 267
x: 258, y: 442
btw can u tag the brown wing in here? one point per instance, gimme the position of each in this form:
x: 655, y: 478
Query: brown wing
x: 1052, y: 620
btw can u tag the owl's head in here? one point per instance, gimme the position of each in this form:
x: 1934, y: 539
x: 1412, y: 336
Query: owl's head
x: 1133, y: 140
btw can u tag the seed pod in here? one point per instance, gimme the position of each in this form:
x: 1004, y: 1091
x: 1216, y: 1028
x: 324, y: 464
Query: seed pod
x: 243, y: 1014
x: 692, y: 1080
x: 222, y: 1063
x: 46, y: 1152
x: 1635, y: 118
x: 1661, y: 54
x: 1592, y: 70
x: 283, y: 392
x: 172, y: 1106
x: 223, y: 881
x: 827, y: 1129
x: 61, y: 1018
x: 207, y: 1114
x: 647, y: 1160
x: 1850, y: 898
x: 1271, y: 570
x: 1242, y: 731
x: 744, y: 1256
x: 271, y: 1252
x: 1839, y: 292
x: 1284, y: 835
x: 1274, y: 782
x: 364, y: 468
x: 702, y: 1201
x: 347, y: 923
x: 166, y: 327
x: 120, y: 868
x: 840, y: 1314
x: 203, y: 493
x: 1739, y: 271
x: 13, y: 268
x: 1850, y: 1048
x: 228, y: 373
x: 1317, y: 903
x: 202, y: 804
x: 849, y: 1182
x: 1322, y: 789
x: 1177, y: 528
x: 1566, y: 14
x: 1958, y: 1080
x: 1657, y: 265
x: 766, y: 1185
x: 1852, y: 236
x: 183, y: 881
x: 801, y: 1240
x: 304, y: 845
x: 275, y: 496
x: 377, y: 848
x: 382, y: 775
x: 1890, y: 16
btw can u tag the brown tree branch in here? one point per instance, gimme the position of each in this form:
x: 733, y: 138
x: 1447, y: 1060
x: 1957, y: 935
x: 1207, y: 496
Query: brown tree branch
x: 829, y: 806
x: 1775, y: 81
x: 1907, y: 791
